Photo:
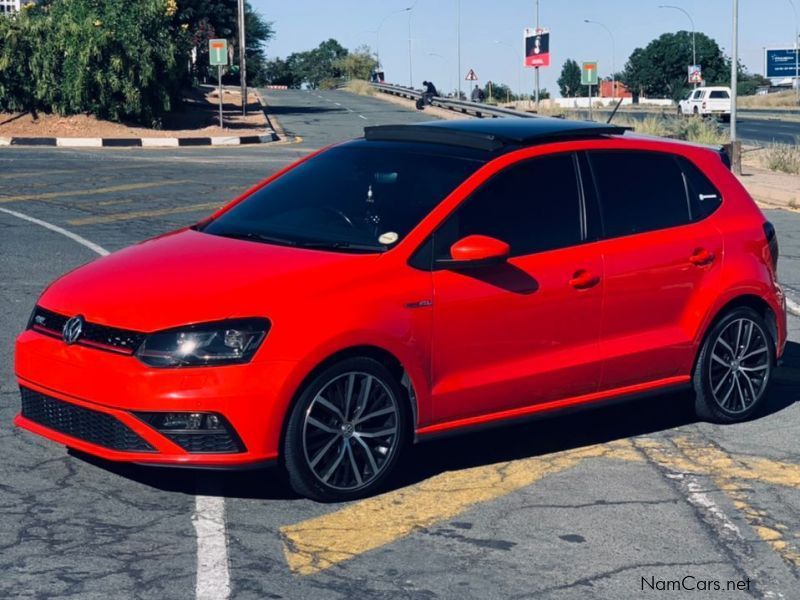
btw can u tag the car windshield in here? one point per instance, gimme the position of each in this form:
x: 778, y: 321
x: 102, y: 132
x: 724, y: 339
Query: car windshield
x: 361, y: 196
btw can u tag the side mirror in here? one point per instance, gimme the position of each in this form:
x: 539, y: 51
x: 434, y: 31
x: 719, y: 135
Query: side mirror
x: 476, y: 251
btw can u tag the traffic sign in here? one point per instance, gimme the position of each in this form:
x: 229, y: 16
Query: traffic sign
x: 537, y: 47
x: 695, y: 74
x: 218, y: 52
x: 471, y: 76
x: 589, y: 73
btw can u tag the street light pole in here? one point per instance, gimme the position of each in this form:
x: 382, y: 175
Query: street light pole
x: 613, y: 60
x: 796, y: 55
x: 691, y: 20
x: 409, y: 10
x: 458, y: 28
x: 242, y: 58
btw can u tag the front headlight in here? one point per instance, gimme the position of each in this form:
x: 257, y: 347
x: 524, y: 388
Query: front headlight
x: 220, y: 343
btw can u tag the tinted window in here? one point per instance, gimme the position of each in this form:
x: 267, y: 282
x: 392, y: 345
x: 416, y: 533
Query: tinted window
x: 363, y: 195
x: 719, y: 94
x: 704, y: 198
x: 639, y: 191
x: 533, y: 206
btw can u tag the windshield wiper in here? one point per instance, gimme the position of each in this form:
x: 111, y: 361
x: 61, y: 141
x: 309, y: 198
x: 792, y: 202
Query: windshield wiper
x: 258, y: 237
x: 342, y: 246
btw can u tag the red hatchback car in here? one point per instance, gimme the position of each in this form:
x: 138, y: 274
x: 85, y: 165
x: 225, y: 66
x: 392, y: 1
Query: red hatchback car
x: 425, y: 279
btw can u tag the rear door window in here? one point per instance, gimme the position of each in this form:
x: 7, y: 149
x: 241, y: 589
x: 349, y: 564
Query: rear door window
x: 639, y: 191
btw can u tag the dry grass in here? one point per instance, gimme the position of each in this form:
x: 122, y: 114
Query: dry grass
x: 692, y: 129
x: 777, y: 100
x: 360, y: 87
x: 782, y: 157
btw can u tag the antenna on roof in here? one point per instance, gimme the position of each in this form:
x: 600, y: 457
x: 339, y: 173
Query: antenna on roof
x: 613, y: 112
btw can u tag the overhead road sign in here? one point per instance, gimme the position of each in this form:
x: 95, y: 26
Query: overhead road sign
x: 537, y: 47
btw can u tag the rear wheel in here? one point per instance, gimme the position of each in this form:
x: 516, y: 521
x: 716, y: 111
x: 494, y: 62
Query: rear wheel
x: 734, y: 367
x: 346, y: 432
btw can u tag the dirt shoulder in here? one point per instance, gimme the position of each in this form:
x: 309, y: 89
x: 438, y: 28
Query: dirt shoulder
x: 770, y: 189
x: 198, y: 117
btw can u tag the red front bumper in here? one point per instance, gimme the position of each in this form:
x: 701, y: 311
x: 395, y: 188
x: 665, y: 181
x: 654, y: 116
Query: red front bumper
x: 252, y: 397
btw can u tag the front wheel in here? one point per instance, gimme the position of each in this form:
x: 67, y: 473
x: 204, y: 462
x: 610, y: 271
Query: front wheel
x: 346, y: 431
x: 734, y: 367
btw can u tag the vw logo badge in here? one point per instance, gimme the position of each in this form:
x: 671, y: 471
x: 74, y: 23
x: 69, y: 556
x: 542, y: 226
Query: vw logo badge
x: 72, y: 329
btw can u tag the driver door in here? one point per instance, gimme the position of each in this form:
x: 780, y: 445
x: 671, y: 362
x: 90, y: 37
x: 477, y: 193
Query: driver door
x: 523, y: 332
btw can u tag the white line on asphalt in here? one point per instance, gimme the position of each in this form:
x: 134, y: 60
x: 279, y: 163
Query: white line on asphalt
x: 363, y: 117
x: 213, y: 572
x: 213, y: 578
x: 73, y: 236
x: 337, y: 103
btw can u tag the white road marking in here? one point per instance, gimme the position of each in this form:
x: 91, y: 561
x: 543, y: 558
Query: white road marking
x: 363, y: 117
x: 697, y: 497
x: 337, y: 103
x: 213, y: 572
x: 793, y: 307
x: 73, y: 236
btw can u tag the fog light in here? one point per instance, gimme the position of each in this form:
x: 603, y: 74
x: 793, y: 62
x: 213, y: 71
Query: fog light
x: 213, y: 422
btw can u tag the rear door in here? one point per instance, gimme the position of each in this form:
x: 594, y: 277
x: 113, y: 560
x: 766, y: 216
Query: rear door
x: 659, y: 253
x: 525, y: 332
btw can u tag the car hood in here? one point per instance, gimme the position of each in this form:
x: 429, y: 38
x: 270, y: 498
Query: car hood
x: 191, y: 277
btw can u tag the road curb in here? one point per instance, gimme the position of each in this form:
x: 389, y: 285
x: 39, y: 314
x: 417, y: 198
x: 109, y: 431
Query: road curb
x: 269, y: 135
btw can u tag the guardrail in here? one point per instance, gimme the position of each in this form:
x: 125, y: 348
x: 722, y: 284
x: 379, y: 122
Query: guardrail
x: 475, y: 109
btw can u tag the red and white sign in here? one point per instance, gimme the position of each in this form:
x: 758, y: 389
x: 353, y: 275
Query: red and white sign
x: 537, y: 47
x: 471, y: 76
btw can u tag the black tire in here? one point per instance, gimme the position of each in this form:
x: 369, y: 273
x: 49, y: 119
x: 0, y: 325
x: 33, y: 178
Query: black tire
x: 731, y: 377
x: 316, y: 437
x: 420, y: 104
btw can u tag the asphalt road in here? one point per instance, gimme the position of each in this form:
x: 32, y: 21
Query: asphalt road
x: 750, y: 129
x: 585, y: 506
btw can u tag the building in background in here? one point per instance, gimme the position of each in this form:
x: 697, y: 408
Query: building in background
x: 8, y: 7
x: 607, y: 91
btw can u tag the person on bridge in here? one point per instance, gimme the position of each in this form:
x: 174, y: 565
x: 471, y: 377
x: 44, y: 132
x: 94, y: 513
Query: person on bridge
x: 430, y: 91
x: 477, y: 94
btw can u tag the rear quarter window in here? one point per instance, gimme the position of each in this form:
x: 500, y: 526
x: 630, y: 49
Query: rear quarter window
x: 719, y: 95
x: 704, y: 197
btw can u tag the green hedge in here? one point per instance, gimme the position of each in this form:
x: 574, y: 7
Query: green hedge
x: 117, y: 59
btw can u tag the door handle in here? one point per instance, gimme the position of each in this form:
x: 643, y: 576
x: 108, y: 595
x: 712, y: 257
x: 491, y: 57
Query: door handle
x: 701, y: 257
x: 583, y: 280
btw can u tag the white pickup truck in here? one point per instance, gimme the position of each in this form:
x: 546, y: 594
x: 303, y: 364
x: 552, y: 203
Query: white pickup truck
x: 707, y: 102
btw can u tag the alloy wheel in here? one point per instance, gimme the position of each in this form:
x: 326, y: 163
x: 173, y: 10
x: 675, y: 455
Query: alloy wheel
x: 739, y: 368
x: 350, y: 430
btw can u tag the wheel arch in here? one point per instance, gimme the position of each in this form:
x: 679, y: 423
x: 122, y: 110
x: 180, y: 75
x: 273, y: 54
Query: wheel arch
x: 377, y: 353
x: 757, y: 303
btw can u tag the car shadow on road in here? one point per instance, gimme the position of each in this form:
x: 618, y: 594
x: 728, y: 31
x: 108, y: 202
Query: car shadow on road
x: 536, y: 438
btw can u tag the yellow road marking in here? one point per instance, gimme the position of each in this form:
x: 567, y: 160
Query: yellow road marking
x: 320, y: 543
x: 93, y: 191
x: 144, y: 214
x: 44, y: 172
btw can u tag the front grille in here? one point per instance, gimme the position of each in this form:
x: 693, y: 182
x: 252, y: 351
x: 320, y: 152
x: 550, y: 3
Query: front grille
x: 81, y: 423
x: 102, y: 337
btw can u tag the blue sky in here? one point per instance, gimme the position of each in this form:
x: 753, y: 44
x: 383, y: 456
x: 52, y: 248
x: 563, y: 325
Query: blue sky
x: 302, y: 24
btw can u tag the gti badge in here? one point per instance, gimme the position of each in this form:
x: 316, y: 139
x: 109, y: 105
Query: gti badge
x: 72, y: 329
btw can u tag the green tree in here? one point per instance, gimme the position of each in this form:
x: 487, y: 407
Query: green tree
x: 358, y: 64
x: 569, y: 83
x: 659, y: 69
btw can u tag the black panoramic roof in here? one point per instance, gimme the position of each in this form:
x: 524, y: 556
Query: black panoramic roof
x: 492, y: 134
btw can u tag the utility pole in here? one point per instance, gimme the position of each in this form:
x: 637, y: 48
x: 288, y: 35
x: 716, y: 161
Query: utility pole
x: 242, y: 58
x: 796, y: 55
x: 410, y: 71
x: 735, y: 151
x: 536, y: 74
x: 613, y: 60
